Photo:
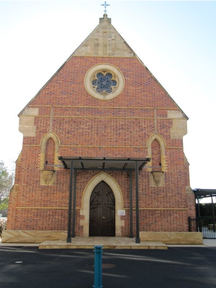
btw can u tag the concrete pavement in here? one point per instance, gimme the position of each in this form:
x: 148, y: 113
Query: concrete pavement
x: 177, y: 267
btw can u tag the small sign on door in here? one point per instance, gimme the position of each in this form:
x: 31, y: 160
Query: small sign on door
x: 121, y: 212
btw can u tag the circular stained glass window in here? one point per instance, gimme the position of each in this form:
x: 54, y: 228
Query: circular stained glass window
x: 104, y: 82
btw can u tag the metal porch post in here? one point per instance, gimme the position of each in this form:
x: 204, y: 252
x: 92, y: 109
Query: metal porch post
x: 131, y: 206
x: 213, y: 214
x: 137, y: 202
x: 199, y: 221
x: 74, y: 205
x: 70, y: 203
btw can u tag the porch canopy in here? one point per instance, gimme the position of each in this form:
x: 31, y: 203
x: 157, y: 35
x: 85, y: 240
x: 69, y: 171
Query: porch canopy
x: 102, y: 164
x: 112, y: 164
x: 204, y: 193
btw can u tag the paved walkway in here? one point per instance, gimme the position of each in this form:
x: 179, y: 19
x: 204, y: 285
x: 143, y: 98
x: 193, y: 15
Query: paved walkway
x: 209, y: 242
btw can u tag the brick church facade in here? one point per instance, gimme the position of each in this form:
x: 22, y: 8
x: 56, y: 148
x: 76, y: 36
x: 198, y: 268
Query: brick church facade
x: 101, y: 111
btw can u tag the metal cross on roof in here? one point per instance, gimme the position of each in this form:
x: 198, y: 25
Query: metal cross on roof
x: 105, y: 6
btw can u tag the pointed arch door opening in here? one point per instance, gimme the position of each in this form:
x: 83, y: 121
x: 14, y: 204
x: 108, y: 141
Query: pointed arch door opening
x: 102, y: 211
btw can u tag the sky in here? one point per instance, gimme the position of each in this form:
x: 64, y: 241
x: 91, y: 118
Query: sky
x: 174, y: 39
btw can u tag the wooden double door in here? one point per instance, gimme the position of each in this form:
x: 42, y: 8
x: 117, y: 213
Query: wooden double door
x: 102, y: 211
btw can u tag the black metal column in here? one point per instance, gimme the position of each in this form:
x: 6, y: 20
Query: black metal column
x: 137, y: 240
x: 70, y: 203
x: 199, y: 222
x: 74, y: 205
x: 213, y: 214
x: 131, y: 206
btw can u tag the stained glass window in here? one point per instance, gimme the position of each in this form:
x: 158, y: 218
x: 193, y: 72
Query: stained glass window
x: 104, y: 82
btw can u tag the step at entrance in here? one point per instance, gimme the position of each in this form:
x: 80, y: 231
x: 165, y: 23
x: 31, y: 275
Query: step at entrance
x: 106, y: 242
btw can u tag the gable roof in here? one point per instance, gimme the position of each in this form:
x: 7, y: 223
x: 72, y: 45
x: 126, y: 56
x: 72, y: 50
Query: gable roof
x: 103, y: 41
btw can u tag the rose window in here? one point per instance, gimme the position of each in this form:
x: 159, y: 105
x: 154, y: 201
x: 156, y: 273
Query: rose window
x: 104, y: 83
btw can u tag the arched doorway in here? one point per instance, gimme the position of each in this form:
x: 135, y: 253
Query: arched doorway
x: 85, y: 208
x: 102, y: 211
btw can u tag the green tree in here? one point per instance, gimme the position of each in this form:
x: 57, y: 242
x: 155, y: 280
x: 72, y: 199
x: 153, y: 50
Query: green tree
x: 6, y: 182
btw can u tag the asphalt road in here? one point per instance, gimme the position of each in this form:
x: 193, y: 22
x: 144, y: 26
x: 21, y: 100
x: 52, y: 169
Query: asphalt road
x: 28, y: 267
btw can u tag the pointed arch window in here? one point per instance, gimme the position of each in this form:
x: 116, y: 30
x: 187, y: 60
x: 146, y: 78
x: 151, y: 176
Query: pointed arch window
x: 156, y: 151
x: 50, y: 154
x: 158, y: 164
x: 49, y: 151
x: 49, y: 158
x: 156, y: 155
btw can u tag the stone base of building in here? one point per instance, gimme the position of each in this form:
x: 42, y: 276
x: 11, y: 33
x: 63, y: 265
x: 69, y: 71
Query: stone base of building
x: 173, y: 238
x: 32, y: 236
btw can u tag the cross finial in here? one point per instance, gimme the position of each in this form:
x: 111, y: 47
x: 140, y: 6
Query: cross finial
x: 105, y: 6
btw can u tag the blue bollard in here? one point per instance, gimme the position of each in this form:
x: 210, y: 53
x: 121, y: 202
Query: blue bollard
x: 98, y: 267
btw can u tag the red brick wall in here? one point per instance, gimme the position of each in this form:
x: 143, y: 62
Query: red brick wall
x: 90, y: 127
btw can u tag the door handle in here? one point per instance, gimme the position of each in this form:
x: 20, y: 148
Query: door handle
x: 103, y: 217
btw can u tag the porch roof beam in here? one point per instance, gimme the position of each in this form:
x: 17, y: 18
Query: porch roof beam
x: 112, y: 164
